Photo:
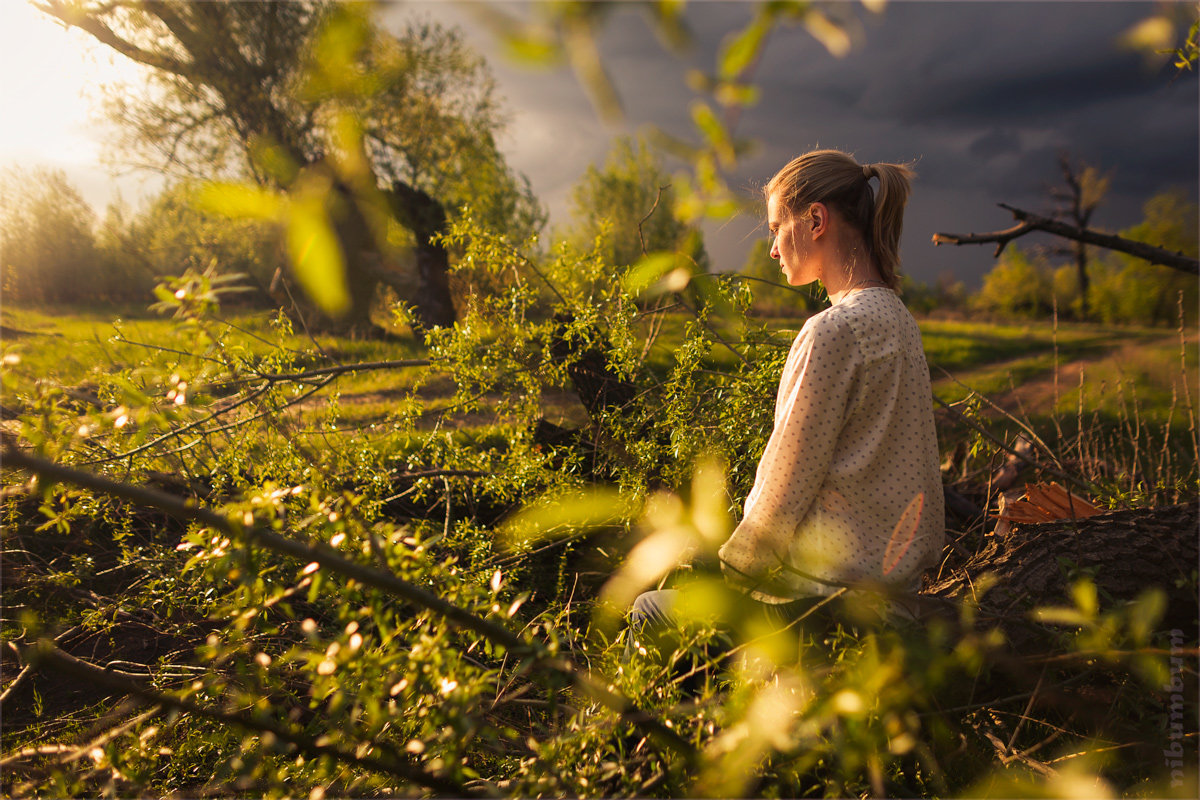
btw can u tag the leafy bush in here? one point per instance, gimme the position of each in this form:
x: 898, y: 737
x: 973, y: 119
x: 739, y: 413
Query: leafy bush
x: 340, y: 612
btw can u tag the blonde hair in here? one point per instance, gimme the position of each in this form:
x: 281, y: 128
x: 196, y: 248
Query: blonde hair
x: 837, y: 180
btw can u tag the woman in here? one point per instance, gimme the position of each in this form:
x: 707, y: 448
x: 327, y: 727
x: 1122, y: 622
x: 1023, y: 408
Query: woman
x: 848, y: 490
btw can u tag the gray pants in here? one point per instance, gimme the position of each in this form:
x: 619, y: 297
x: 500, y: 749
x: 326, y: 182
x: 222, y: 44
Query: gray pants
x: 653, y: 610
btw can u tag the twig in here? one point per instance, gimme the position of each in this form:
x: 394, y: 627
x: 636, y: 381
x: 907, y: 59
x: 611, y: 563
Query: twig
x: 45, y: 652
x: 330, y: 559
x: 1022, y: 425
x: 17, y: 681
x: 736, y: 276
x: 275, y: 377
x: 650, y: 213
x: 175, y: 432
x: 1011, y: 451
x: 27, y: 669
x: 1029, y: 222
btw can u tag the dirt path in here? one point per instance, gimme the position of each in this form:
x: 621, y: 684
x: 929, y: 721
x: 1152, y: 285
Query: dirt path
x: 1132, y: 360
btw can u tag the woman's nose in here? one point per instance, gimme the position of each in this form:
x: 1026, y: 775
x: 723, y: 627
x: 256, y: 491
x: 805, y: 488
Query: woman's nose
x: 775, y: 249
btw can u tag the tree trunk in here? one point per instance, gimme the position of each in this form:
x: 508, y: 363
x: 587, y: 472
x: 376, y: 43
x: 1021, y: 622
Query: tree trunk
x: 424, y: 216
x: 1084, y: 284
x: 599, y: 388
x: 360, y: 253
x: 1124, y: 552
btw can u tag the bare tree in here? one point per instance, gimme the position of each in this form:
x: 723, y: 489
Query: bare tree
x: 1083, y: 191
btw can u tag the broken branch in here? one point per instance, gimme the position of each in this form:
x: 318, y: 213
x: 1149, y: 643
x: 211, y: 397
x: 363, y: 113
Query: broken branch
x: 1028, y: 222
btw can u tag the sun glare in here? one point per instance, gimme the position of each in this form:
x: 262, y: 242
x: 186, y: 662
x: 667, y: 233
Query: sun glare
x: 50, y: 86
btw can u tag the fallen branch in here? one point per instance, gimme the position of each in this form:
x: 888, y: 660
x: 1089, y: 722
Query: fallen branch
x: 1028, y: 222
x: 328, y: 558
x: 45, y: 653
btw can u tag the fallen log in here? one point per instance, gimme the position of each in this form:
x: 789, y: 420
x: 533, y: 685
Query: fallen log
x: 1123, y: 552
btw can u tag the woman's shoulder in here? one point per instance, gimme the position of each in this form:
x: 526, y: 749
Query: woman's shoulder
x: 880, y: 322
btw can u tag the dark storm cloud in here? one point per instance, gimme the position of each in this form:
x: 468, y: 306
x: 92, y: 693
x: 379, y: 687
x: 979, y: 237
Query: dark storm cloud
x: 983, y: 96
x: 995, y: 143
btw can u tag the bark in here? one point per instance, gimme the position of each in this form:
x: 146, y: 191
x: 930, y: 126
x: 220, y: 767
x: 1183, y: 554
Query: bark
x: 416, y: 210
x: 360, y: 254
x: 599, y: 387
x: 1125, y: 552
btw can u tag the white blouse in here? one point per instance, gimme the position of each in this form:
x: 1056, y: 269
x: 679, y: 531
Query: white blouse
x: 848, y: 488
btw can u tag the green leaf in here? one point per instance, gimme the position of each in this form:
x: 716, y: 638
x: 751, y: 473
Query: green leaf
x: 317, y: 256
x: 737, y: 94
x: 744, y: 48
x: 648, y: 270
x: 1086, y: 598
x: 240, y: 200
x: 531, y: 49
x: 1145, y: 613
x: 1060, y: 616
x: 828, y: 33
x: 567, y: 513
x: 710, y: 126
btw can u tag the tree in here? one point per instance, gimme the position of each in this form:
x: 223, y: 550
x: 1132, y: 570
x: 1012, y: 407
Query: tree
x: 314, y: 100
x: 176, y: 233
x: 1085, y: 189
x: 1126, y: 289
x: 1018, y: 285
x: 625, y: 207
x: 47, y: 243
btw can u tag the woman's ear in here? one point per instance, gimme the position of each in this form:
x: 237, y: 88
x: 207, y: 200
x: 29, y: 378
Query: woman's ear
x: 818, y: 217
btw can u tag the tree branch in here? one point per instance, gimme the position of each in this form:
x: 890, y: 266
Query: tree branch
x: 330, y: 559
x: 46, y: 653
x: 78, y: 18
x: 1028, y: 222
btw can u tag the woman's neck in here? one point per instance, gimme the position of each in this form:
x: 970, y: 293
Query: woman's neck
x: 851, y: 269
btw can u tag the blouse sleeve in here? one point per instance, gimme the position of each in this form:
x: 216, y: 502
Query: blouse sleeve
x: 809, y: 415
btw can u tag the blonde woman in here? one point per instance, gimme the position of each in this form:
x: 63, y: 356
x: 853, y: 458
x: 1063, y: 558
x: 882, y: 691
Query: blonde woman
x: 848, y: 490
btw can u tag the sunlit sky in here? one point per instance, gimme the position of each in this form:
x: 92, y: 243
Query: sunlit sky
x: 50, y: 87
x: 983, y: 95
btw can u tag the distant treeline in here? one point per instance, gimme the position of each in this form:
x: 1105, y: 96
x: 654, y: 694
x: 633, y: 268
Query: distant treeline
x: 1032, y: 282
x: 54, y: 250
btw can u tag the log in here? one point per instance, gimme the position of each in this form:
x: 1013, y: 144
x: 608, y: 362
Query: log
x: 1124, y: 552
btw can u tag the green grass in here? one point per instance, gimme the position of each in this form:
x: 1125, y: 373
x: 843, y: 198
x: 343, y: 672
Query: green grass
x: 72, y: 345
x: 1126, y: 371
x: 1019, y: 366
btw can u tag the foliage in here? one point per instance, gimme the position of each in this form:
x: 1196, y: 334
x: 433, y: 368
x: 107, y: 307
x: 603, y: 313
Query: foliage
x: 285, y: 627
x: 1130, y: 291
x: 1019, y: 285
x: 309, y: 609
x: 315, y: 100
x: 46, y: 239
x: 627, y: 208
x: 176, y: 233
x: 1122, y: 289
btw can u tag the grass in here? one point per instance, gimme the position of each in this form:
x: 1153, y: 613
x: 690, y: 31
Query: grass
x: 1064, y: 377
x: 1038, y: 372
x: 72, y: 344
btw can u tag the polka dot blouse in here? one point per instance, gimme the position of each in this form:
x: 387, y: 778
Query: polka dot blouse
x: 848, y: 487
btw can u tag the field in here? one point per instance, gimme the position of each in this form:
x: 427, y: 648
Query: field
x: 1016, y: 365
x: 360, y: 506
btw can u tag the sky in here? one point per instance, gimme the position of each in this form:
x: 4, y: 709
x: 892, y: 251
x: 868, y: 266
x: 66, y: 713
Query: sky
x: 982, y: 96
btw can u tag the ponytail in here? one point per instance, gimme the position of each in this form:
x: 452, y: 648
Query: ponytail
x: 887, y: 218
x: 836, y: 179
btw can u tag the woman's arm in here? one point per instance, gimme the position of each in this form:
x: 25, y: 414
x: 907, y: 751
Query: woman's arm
x: 814, y: 395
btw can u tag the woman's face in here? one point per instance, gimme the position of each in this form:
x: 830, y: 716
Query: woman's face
x: 789, y: 241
